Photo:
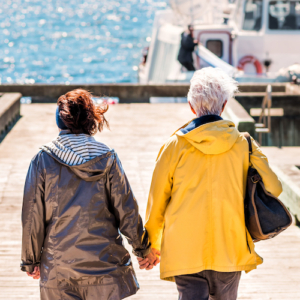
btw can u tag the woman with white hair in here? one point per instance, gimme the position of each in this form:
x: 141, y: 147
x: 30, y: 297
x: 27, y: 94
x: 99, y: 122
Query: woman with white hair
x: 195, y: 213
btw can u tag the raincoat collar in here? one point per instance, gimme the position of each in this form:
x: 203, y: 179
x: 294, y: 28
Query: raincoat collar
x: 68, y: 131
x: 64, y: 131
x: 200, y: 121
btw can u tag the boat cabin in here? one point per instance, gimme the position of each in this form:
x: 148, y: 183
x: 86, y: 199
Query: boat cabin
x: 257, y: 36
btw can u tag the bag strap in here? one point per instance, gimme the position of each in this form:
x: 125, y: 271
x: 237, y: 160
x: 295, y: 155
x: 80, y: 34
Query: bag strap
x: 248, y: 138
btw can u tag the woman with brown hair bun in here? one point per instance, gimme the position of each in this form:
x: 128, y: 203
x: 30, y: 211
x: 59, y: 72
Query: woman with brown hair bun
x: 77, y: 202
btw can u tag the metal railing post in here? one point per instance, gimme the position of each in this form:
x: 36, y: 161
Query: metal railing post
x: 264, y: 121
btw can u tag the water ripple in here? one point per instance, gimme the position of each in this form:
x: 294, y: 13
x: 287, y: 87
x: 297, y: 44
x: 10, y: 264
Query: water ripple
x: 60, y: 41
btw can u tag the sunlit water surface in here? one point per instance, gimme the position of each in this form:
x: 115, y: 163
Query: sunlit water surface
x: 74, y: 41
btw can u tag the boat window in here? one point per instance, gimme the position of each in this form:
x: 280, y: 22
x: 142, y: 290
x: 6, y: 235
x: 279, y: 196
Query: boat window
x: 215, y: 46
x: 284, y: 15
x: 252, y: 15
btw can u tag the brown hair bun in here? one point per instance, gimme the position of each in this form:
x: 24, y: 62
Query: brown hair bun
x: 80, y: 114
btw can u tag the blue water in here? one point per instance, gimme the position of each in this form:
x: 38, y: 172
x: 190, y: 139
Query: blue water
x: 74, y: 41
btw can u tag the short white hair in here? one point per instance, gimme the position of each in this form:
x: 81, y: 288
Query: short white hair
x: 210, y: 88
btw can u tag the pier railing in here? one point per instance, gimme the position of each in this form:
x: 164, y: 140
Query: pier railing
x: 9, y: 111
x: 126, y: 92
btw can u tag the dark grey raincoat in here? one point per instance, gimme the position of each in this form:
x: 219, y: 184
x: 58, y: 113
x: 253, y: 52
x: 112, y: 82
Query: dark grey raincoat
x: 72, y: 218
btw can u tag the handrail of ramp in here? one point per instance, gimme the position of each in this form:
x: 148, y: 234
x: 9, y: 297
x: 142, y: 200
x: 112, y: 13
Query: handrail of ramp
x: 214, y: 61
x: 9, y: 111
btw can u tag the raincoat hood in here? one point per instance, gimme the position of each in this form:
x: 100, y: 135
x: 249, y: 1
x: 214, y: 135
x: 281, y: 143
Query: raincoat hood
x: 210, y: 134
x: 87, y: 158
x: 92, y: 170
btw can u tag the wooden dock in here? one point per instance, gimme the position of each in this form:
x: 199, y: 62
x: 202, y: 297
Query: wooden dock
x: 137, y: 132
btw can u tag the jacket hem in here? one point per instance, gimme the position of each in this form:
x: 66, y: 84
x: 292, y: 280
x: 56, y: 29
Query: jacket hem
x: 169, y: 276
x: 124, y: 286
x: 48, y: 293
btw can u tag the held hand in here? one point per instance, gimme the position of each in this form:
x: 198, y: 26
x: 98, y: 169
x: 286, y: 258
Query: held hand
x: 151, y: 260
x: 153, y: 257
x: 144, y: 263
x: 35, y: 274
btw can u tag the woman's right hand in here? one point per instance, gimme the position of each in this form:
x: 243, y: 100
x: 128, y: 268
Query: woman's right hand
x: 151, y: 260
x: 35, y: 274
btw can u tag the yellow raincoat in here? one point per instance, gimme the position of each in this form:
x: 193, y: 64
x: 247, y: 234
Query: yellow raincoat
x: 195, y: 212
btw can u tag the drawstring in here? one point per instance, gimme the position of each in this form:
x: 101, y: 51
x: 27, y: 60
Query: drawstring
x: 247, y: 240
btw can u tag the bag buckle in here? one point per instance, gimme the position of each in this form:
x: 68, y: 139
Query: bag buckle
x: 256, y: 178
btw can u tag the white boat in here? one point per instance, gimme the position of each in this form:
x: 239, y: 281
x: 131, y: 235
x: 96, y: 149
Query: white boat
x: 250, y: 39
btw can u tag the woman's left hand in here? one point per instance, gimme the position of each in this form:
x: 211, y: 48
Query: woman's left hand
x: 35, y: 274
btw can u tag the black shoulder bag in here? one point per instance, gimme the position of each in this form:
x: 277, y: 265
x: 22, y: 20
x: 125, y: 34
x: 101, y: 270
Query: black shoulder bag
x: 265, y: 215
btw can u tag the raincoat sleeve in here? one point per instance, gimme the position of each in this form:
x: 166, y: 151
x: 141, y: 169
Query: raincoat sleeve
x: 260, y: 162
x: 33, y: 215
x: 160, y: 192
x: 126, y: 210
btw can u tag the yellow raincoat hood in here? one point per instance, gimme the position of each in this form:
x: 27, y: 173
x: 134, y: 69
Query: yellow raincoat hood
x: 212, y: 138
